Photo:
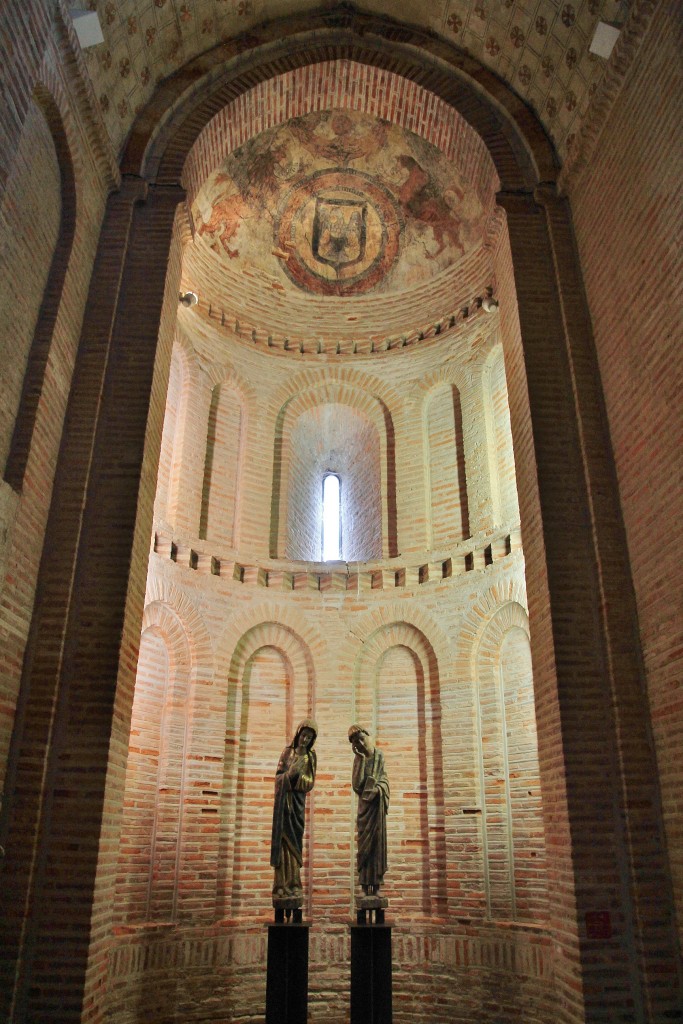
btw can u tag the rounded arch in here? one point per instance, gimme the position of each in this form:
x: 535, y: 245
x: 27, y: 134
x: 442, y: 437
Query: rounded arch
x: 159, y: 143
x: 347, y: 85
x: 25, y: 408
x: 164, y: 593
x: 225, y: 373
x: 397, y: 695
x: 513, y: 841
x: 373, y: 622
x: 340, y: 377
x: 380, y: 470
x: 271, y: 687
x: 155, y: 795
x: 506, y: 591
x: 290, y: 618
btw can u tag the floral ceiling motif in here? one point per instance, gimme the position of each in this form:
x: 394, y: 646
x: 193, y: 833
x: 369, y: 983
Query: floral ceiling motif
x: 540, y: 47
x: 339, y: 203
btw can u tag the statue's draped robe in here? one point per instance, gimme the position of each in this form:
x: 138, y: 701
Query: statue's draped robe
x: 294, y: 778
x: 371, y: 784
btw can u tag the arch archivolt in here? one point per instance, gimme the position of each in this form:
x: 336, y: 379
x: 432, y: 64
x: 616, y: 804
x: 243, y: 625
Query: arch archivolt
x: 342, y: 84
x: 358, y: 383
x: 270, y: 688
x: 163, y: 595
x: 290, y: 618
x: 175, y: 116
x: 175, y: 655
x: 321, y: 392
x: 372, y: 624
x: 397, y: 696
x: 509, y: 795
x: 510, y: 615
x: 224, y: 373
x: 504, y: 593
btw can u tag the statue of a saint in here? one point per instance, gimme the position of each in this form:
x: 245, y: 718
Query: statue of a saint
x: 370, y: 782
x: 295, y: 777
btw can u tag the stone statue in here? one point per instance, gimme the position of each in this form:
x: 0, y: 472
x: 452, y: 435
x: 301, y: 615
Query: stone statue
x: 370, y: 782
x: 294, y: 778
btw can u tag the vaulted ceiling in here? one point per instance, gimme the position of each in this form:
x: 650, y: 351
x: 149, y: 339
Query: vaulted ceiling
x: 539, y: 47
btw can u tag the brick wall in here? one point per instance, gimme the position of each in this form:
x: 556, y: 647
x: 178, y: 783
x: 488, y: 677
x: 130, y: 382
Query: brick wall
x: 450, y: 515
x: 629, y: 242
x: 30, y: 219
x: 50, y: 152
x: 224, y: 451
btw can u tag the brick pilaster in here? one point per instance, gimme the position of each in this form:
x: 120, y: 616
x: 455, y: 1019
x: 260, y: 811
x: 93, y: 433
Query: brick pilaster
x: 591, y: 664
x: 63, y: 804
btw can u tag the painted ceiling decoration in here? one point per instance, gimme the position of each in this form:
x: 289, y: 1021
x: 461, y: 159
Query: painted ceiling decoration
x: 339, y: 203
x: 539, y: 47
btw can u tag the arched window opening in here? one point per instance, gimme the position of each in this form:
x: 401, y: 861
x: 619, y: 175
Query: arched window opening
x: 332, y: 525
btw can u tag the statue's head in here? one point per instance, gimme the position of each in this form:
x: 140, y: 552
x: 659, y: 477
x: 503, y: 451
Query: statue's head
x: 359, y: 738
x: 306, y: 733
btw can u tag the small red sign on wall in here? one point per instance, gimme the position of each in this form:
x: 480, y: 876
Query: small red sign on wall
x: 598, y: 924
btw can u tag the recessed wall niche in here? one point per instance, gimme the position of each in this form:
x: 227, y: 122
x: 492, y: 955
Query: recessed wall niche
x: 348, y: 433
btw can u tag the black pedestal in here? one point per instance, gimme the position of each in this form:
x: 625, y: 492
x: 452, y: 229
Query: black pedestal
x: 370, y: 974
x: 287, y: 981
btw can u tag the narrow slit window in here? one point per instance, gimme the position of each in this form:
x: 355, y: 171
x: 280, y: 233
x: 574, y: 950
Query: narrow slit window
x: 331, y: 539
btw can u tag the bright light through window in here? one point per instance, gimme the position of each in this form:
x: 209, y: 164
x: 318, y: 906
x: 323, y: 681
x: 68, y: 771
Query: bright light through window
x: 331, y: 518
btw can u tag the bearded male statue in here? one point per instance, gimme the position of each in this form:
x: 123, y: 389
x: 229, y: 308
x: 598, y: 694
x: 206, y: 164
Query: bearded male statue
x: 370, y: 782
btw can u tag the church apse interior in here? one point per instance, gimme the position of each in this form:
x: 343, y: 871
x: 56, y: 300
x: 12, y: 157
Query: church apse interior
x: 323, y: 242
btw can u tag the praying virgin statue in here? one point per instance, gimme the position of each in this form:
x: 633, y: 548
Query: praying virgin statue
x: 294, y: 778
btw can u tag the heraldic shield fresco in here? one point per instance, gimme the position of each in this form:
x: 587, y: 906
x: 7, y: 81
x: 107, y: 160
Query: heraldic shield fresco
x: 337, y: 203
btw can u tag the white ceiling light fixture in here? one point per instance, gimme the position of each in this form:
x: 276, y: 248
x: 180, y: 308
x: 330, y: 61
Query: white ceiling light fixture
x: 88, y: 28
x: 604, y: 39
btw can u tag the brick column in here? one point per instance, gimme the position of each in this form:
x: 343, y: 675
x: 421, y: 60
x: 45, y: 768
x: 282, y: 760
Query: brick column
x: 591, y: 705
x: 67, y: 761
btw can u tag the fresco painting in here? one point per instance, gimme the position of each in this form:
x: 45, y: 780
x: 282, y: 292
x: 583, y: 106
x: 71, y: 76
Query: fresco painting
x: 336, y: 203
